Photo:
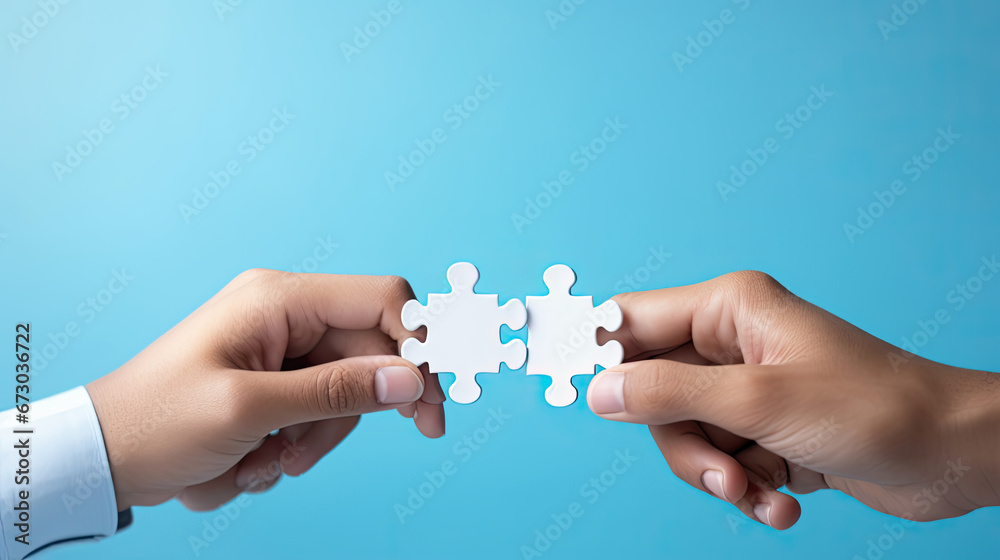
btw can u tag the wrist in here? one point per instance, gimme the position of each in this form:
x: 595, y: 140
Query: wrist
x: 974, y: 417
x: 63, y: 472
x: 116, y: 455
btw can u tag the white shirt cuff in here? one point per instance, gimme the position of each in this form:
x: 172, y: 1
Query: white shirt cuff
x: 70, y: 491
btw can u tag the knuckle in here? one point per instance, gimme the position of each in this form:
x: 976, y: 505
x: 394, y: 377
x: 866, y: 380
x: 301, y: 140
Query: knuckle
x: 396, y: 288
x: 624, y: 299
x: 752, y: 282
x: 651, y: 389
x: 263, y: 281
x: 757, y: 289
x: 267, y: 283
x: 344, y: 390
x: 255, y: 275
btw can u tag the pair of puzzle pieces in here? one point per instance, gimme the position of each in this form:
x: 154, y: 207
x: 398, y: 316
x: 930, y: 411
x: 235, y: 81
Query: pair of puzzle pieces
x: 463, y: 334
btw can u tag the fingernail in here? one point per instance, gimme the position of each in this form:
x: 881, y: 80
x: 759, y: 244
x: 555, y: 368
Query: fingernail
x: 607, y: 393
x: 763, y: 513
x: 397, y: 385
x: 715, y: 483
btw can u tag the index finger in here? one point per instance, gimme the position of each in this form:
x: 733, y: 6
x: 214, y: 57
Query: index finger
x: 723, y: 317
x: 299, y: 309
x: 656, y: 321
x: 352, y: 302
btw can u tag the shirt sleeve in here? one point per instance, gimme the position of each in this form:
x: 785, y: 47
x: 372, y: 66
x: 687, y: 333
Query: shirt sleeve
x: 58, y: 458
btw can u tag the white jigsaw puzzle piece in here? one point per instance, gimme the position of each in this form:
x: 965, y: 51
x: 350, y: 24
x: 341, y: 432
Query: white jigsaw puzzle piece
x: 562, y: 335
x: 463, y: 333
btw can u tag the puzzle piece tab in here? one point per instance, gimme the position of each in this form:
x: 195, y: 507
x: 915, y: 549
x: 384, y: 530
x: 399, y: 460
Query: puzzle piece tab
x: 463, y: 333
x: 562, y: 331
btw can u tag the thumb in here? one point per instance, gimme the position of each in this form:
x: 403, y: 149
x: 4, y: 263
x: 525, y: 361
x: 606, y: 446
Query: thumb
x: 347, y: 387
x: 656, y: 392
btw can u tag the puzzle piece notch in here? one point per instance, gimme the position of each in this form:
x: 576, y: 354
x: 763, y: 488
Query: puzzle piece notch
x: 562, y: 335
x: 463, y: 333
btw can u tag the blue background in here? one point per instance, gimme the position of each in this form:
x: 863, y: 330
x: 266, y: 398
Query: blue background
x: 656, y: 186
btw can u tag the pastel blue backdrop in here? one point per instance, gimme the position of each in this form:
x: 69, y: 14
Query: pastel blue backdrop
x: 141, y: 199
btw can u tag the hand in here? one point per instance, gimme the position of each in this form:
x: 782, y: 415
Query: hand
x: 747, y: 388
x: 305, y: 354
